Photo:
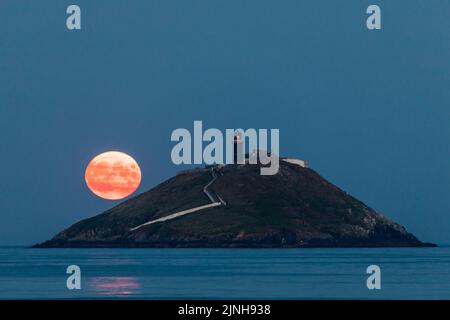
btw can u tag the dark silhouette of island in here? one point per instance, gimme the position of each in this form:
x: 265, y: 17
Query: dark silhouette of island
x: 233, y: 206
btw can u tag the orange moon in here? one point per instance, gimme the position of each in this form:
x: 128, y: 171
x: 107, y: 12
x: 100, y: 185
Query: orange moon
x: 113, y: 175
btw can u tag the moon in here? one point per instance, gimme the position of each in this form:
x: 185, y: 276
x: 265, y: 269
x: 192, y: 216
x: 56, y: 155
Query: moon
x: 113, y: 175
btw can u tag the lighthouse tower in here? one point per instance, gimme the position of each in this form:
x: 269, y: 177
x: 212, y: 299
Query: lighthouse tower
x: 238, y: 151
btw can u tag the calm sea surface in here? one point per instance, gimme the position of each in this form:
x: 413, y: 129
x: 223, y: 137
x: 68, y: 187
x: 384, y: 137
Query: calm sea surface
x: 409, y: 273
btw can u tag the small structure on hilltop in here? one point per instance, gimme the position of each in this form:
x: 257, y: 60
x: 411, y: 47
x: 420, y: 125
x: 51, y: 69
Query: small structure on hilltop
x: 299, y: 162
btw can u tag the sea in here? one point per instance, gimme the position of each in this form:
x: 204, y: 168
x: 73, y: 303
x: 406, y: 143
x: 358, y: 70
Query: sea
x: 405, y: 273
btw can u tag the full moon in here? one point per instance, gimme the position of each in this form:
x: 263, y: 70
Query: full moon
x: 113, y: 175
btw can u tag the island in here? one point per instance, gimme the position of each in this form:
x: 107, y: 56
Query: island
x: 234, y: 206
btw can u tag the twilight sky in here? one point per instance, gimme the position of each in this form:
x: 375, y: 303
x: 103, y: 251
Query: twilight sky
x: 370, y: 110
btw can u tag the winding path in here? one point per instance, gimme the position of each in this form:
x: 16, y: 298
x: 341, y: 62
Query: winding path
x: 215, y: 199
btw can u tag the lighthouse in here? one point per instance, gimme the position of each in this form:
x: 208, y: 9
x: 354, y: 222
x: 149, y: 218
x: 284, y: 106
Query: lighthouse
x: 238, y: 152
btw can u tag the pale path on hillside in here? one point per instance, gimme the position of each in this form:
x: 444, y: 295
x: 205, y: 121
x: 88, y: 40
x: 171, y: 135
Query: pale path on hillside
x: 208, y: 193
x: 178, y: 214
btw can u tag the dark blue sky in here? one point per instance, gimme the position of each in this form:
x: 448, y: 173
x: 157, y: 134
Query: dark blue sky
x: 370, y: 110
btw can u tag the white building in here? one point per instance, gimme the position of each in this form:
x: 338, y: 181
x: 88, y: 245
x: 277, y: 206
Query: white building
x: 299, y: 162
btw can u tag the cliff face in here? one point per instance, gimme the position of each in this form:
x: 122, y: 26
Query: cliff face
x: 294, y: 208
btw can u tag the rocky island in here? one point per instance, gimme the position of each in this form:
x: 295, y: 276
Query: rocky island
x: 233, y: 206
